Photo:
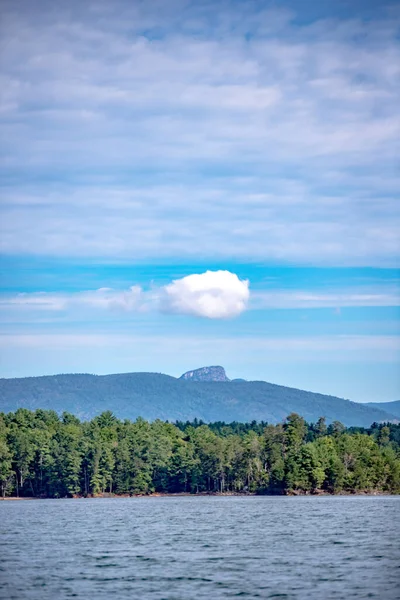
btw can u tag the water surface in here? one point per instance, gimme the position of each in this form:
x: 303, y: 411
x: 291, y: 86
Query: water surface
x: 201, y: 547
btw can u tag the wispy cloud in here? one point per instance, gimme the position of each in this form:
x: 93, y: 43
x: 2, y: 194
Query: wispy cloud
x: 287, y: 299
x: 103, y: 298
x: 316, y: 348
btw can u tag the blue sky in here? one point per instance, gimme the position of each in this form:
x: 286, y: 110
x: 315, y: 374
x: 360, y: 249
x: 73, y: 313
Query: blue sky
x: 254, y: 144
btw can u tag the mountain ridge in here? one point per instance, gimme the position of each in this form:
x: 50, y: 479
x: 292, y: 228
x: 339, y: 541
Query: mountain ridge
x: 158, y: 396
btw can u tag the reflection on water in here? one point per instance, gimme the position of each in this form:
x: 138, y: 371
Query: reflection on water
x: 201, y: 547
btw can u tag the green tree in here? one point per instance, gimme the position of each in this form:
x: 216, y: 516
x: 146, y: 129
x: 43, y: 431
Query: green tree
x: 43, y: 455
x: 5, y: 467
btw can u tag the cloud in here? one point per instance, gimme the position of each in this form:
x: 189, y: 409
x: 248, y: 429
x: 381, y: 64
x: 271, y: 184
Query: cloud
x: 227, y: 132
x: 107, y: 298
x: 286, y: 299
x: 213, y: 294
x: 128, y: 300
x: 379, y: 347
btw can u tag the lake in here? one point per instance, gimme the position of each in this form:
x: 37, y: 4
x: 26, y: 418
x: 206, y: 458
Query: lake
x: 201, y: 547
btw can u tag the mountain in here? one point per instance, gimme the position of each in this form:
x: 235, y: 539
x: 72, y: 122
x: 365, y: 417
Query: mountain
x: 157, y: 396
x: 206, y: 374
x: 390, y: 407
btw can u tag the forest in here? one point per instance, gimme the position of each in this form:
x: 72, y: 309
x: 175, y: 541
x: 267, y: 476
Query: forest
x: 45, y: 455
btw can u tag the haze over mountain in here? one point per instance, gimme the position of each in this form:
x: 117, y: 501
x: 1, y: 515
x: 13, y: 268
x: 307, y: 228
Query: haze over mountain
x: 391, y: 407
x: 205, y: 394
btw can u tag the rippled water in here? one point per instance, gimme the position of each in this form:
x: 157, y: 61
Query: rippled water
x: 201, y: 547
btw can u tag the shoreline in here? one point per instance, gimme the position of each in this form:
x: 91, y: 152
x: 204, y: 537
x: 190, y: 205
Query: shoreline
x: 318, y: 493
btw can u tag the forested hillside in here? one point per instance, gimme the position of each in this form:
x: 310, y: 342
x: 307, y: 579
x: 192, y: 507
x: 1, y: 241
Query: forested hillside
x: 156, y: 396
x: 44, y: 455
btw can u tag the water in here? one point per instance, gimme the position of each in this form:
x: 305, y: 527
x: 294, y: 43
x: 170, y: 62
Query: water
x: 201, y: 547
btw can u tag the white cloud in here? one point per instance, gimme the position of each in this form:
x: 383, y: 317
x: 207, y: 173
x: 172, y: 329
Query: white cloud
x: 213, y: 294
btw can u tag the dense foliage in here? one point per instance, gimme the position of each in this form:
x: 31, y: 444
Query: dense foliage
x: 44, y: 455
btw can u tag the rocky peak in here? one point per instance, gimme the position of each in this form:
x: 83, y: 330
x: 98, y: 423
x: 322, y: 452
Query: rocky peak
x: 206, y: 374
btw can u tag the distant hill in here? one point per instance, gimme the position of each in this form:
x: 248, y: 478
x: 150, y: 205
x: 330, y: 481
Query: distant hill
x: 157, y: 396
x: 390, y: 407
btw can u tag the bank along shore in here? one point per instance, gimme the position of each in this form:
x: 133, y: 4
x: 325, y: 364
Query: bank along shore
x: 202, y: 495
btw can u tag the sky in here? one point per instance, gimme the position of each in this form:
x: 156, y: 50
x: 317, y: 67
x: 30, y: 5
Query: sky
x: 192, y: 183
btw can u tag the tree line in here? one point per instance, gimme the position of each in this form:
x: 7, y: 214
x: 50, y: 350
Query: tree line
x: 46, y: 455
